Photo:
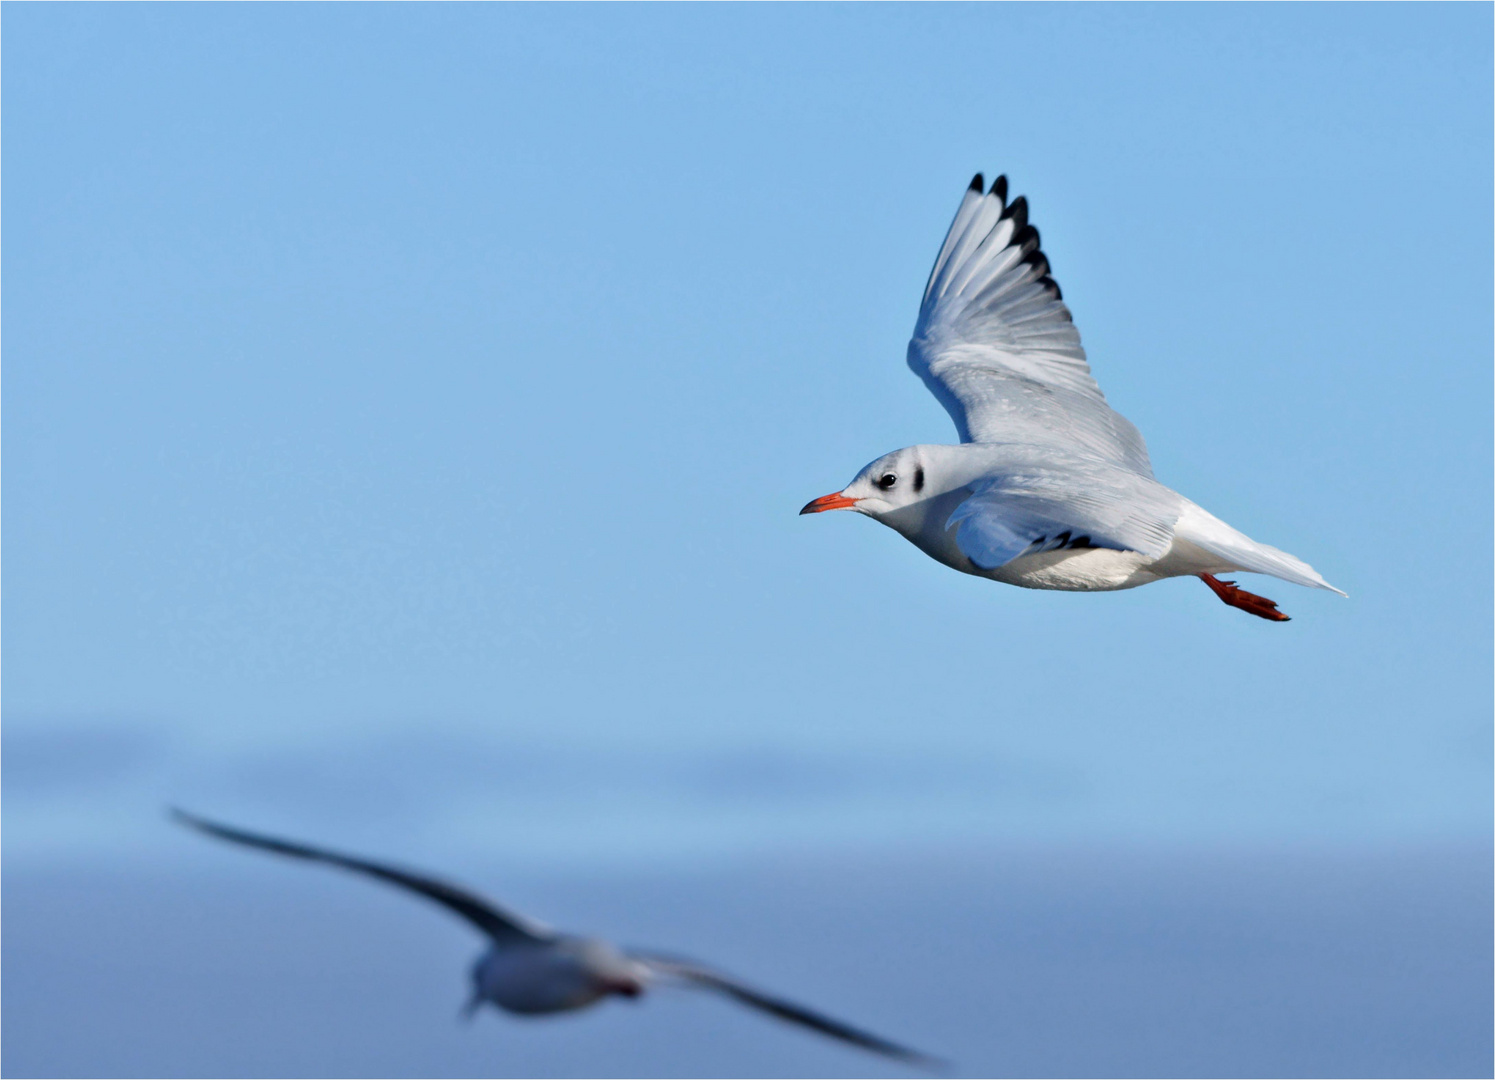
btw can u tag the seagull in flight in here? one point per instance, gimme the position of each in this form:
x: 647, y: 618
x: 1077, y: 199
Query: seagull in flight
x: 531, y: 969
x: 1050, y: 488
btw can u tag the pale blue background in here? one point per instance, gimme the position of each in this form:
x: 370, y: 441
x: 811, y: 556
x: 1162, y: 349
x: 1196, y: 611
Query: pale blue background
x: 406, y: 410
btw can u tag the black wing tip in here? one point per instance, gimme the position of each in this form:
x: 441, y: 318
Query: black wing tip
x: 935, y: 1066
x: 220, y: 831
x: 1033, y: 255
x: 187, y: 818
x: 209, y: 827
x: 998, y: 186
x: 702, y: 975
x: 1025, y: 237
x: 1017, y: 210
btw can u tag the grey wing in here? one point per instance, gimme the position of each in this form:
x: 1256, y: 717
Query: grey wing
x: 500, y: 925
x: 997, y: 346
x: 699, y: 975
x: 1063, y: 502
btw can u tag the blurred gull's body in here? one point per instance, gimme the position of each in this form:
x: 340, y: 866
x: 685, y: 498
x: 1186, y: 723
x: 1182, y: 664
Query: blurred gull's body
x: 530, y: 969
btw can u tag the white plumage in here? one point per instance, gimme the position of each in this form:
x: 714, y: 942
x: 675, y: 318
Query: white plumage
x: 1050, y: 488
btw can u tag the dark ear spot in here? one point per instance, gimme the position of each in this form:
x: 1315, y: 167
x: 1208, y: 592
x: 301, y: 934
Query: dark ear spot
x: 919, y: 478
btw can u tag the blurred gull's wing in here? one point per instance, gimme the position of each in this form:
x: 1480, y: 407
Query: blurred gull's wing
x: 997, y: 346
x: 502, y: 926
x: 695, y: 974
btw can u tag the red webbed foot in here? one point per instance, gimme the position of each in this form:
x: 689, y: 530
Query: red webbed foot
x: 1237, y: 597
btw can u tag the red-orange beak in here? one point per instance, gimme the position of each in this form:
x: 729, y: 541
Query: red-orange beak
x: 834, y: 501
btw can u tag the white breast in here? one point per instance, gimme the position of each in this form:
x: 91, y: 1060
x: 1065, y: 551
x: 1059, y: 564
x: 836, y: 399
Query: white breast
x: 1085, y: 570
x: 1077, y: 570
x: 540, y: 978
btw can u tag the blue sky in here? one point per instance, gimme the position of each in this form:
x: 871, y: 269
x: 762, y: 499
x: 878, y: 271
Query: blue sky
x: 406, y: 411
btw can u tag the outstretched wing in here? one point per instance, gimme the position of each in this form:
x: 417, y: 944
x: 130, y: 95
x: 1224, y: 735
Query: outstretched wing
x: 1064, y: 502
x: 694, y: 974
x: 500, y: 925
x: 998, y: 348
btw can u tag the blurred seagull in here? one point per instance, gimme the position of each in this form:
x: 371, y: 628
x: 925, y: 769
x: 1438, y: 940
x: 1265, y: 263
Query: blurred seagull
x: 532, y: 969
x: 1050, y: 487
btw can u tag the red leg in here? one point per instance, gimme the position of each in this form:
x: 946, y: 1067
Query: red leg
x: 1236, y: 596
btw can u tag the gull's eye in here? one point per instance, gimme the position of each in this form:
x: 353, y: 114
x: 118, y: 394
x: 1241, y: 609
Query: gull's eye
x: 887, y: 481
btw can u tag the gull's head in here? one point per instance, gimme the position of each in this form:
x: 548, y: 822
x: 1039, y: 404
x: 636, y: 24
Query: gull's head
x: 890, y: 483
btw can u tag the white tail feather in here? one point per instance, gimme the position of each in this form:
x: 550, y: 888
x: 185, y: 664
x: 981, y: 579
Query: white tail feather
x: 1202, y: 529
